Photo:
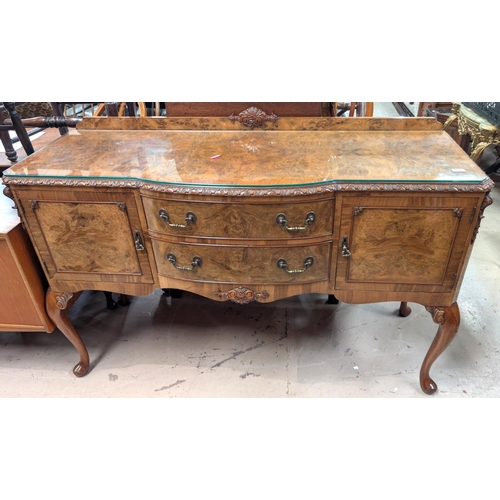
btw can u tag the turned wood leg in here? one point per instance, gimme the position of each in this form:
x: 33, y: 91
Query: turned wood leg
x: 404, y: 310
x: 10, y: 152
x: 332, y: 299
x: 448, y: 319
x: 110, y: 303
x: 58, y: 304
x: 124, y: 300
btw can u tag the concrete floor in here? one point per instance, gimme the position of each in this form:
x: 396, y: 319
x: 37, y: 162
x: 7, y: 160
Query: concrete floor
x: 300, y: 347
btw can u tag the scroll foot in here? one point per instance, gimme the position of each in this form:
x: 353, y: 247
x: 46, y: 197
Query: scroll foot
x: 404, y: 310
x: 58, y: 304
x: 448, y: 319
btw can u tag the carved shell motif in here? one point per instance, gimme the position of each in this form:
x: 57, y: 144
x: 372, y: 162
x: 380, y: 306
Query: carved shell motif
x: 253, y: 117
x: 241, y: 295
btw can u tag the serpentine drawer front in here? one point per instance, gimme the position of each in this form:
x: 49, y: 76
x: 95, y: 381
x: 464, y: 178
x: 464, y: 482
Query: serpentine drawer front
x: 242, y: 264
x: 239, y: 220
x: 255, y: 208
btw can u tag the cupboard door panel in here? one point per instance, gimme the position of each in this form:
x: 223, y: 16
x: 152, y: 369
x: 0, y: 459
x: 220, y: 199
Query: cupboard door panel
x: 416, y: 245
x: 402, y: 246
x: 89, y: 238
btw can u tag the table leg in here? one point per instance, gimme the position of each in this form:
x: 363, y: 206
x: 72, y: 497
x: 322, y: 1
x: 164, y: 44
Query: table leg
x: 478, y: 150
x: 58, y: 304
x: 448, y: 319
x: 404, y: 310
x: 332, y: 299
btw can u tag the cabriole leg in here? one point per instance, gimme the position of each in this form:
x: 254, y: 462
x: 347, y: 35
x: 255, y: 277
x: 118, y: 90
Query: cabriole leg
x: 58, y: 304
x: 448, y: 319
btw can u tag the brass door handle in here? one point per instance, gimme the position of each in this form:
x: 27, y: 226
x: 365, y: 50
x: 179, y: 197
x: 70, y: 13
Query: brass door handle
x: 139, y: 245
x: 345, y: 247
x: 308, y: 262
x: 196, y: 262
x: 190, y: 219
x: 281, y: 221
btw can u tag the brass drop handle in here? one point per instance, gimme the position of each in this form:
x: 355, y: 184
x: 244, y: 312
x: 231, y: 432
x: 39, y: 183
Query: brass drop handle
x: 345, y: 247
x: 281, y: 263
x: 281, y: 221
x: 194, y: 264
x: 190, y: 219
x: 139, y: 245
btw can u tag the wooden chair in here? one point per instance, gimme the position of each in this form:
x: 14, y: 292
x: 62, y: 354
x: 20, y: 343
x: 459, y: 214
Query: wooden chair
x: 23, y: 110
x: 223, y: 109
x: 83, y: 109
x: 351, y: 109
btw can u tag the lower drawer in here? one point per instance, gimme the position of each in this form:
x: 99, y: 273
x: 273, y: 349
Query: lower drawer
x: 238, y: 264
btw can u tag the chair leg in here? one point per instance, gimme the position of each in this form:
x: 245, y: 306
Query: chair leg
x: 10, y: 152
x: 112, y: 304
x: 20, y: 129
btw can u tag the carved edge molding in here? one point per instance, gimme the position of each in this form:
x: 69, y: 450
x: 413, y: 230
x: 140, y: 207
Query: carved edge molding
x: 253, y: 117
x: 486, y: 203
x: 241, y: 295
x: 486, y: 186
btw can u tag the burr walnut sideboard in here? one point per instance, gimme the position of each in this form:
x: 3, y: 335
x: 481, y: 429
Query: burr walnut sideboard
x: 255, y: 209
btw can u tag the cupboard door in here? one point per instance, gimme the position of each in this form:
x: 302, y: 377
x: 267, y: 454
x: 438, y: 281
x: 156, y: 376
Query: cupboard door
x: 89, y: 239
x: 403, y: 244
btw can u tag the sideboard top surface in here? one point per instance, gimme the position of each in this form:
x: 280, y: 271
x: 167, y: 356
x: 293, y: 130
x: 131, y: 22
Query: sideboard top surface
x: 254, y: 158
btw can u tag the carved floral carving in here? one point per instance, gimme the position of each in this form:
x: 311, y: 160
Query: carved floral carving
x: 253, y: 117
x: 486, y: 203
x: 7, y: 192
x: 241, y: 295
x: 436, y: 313
x: 63, y: 299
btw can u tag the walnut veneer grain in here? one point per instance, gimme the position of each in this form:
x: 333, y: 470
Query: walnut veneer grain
x: 130, y: 205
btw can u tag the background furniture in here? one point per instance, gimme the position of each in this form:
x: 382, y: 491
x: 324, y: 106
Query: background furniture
x: 427, y: 108
x: 24, y: 129
x: 225, y: 109
x: 22, y: 294
x: 324, y: 216
x: 21, y: 110
x: 480, y: 130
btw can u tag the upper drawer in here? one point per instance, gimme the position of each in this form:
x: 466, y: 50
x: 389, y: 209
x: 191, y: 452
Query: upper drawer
x: 240, y: 220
